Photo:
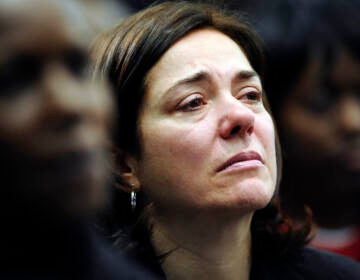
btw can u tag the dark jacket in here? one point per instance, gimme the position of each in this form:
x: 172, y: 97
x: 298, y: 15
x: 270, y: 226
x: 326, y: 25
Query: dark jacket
x: 306, y: 263
x: 63, y: 253
x: 296, y: 264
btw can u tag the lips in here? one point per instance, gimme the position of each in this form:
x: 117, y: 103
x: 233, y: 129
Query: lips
x: 241, y: 158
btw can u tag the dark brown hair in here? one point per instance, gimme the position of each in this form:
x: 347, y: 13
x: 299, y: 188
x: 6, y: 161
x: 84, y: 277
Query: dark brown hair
x: 126, y: 53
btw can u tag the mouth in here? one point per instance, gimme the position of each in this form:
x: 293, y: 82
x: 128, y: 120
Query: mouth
x: 352, y: 160
x: 242, y: 160
x: 76, y: 159
x: 74, y: 166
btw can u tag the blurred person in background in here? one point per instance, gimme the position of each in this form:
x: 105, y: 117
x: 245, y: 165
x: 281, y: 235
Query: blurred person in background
x: 54, y: 125
x: 98, y: 14
x: 313, y: 83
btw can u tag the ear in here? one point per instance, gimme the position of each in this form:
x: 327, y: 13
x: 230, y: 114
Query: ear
x: 125, y: 167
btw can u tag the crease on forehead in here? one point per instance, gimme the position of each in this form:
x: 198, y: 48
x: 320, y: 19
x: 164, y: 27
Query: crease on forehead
x: 196, y: 71
x: 203, y: 75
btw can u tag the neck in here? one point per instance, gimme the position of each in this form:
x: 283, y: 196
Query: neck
x: 204, y: 246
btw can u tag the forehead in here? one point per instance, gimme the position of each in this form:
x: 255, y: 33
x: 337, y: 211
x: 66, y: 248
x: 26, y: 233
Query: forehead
x: 346, y: 68
x: 205, y: 44
x: 204, y: 50
x: 35, y: 29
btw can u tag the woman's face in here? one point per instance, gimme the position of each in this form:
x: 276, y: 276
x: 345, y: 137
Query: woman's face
x: 207, y: 140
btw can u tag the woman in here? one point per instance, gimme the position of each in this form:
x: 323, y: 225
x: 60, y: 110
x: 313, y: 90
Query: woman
x: 196, y: 143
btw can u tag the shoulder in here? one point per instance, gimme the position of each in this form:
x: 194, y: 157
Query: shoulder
x: 109, y: 264
x: 306, y: 263
x: 329, y: 265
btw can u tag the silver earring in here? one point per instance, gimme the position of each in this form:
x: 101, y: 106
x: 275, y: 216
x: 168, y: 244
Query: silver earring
x: 133, y: 200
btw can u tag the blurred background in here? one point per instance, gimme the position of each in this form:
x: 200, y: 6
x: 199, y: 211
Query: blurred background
x: 312, y: 80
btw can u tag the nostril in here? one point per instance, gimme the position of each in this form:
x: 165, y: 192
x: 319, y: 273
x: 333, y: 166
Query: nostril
x: 235, y: 130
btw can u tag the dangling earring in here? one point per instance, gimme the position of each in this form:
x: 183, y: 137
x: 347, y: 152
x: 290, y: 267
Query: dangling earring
x: 133, y: 198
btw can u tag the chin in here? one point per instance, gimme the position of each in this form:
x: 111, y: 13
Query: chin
x: 87, y: 192
x: 238, y: 205
x: 85, y: 203
x: 75, y: 183
x: 253, y: 197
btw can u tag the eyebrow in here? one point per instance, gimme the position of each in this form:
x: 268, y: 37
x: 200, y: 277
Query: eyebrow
x: 203, y: 75
x: 246, y: 75
x: 196, y: 77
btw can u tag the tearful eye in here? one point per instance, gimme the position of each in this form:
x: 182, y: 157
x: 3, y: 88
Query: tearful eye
x: 251, y: 95
x: 192, y: 104
x: 254, y: 96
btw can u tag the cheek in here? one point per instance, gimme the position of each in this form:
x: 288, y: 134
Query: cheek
x: 174, y: 145
x: 266, y: 135
x: 173, y: 156
x: 98, y: 100
x: 309, y: 131
x: 19, y: 117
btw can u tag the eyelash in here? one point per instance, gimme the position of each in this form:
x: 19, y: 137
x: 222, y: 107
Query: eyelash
x: 253, y: 96
x: 194, y: 103
x: 188, y: 106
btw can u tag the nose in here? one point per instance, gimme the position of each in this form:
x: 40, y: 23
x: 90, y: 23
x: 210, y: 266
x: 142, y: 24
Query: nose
x: 349, y: 114
x: 69, y: 99
x: 236, y: 119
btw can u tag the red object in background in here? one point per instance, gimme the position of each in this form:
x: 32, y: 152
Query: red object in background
x: 341, y: 241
